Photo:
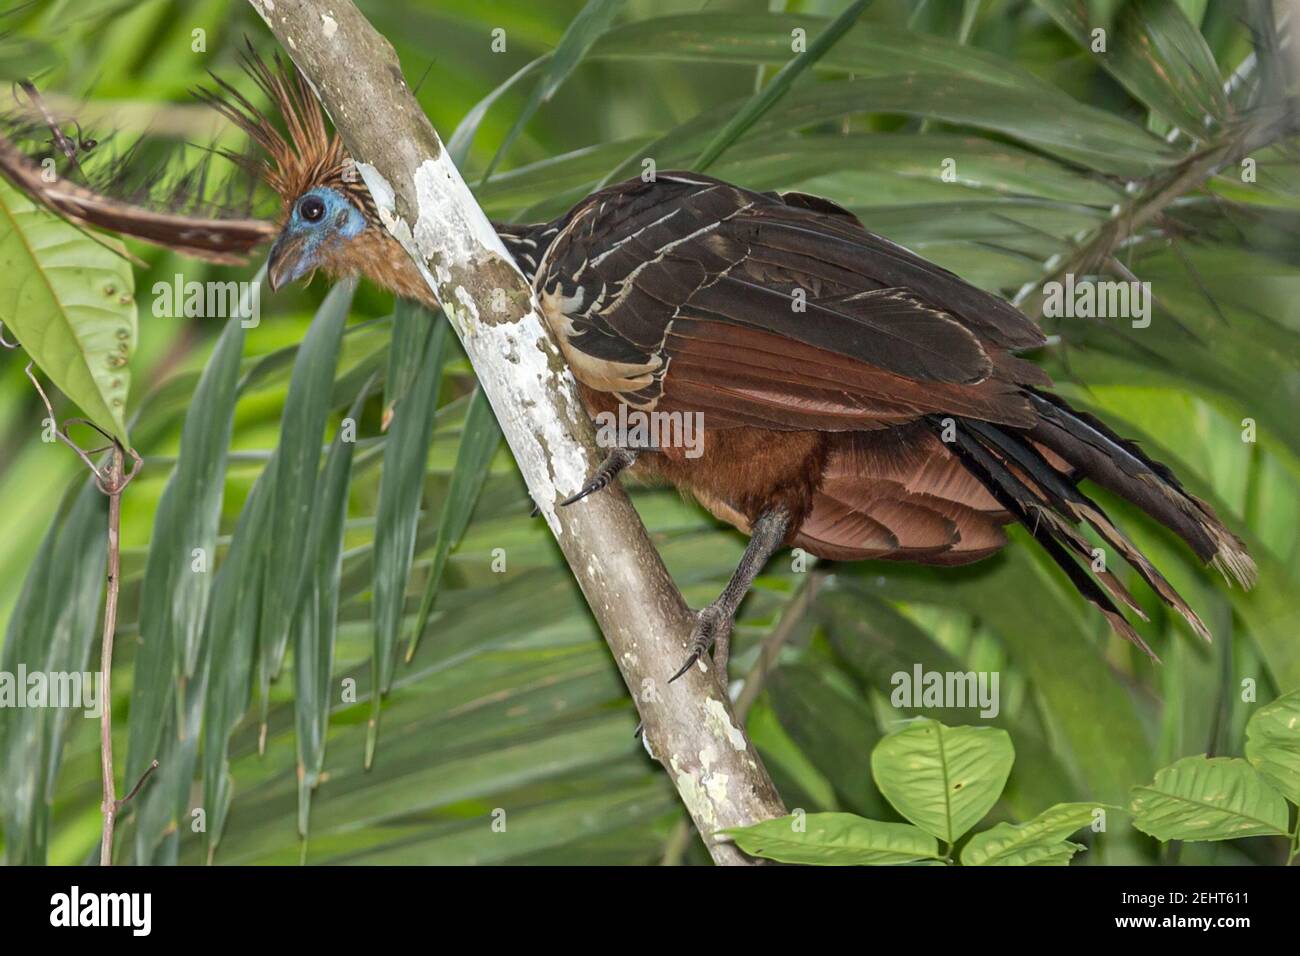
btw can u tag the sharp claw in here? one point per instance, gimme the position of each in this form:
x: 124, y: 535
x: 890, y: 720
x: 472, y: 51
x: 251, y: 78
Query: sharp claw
x: 586, y: 490
x: 613, y: 464
x: 708, y: 631
x: 535, y: 512
x: 589, y: 489
x: 690, y: 662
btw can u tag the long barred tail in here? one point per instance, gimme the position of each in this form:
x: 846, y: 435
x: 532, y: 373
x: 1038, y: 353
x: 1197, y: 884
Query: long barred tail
x: 1035, y: 474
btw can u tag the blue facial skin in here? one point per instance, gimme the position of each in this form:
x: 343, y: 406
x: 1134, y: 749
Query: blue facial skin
x: 298, y: 249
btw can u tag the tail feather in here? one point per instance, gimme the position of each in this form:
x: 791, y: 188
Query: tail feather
x: 1034, y: 511
x: 1040, y: 477
x: 1120, y: 466
x: 1077, y: 506
x: 1035, y: 473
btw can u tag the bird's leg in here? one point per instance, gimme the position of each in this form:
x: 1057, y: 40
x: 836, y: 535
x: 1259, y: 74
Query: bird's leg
x: 713, y: 623
x: 606, y: 471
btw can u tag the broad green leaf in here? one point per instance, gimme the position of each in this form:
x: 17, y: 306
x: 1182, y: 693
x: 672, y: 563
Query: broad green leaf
x: 302, y: 427
x: 69, y: 299
x: 1161, y: 57
x: 835, y: 839
x: 1273, y: 744
x: 1208, y: 798
x: 479, y: 441
x: 766, y: 98
x: 401, y: 485
x: 593, y: 20
x: 1040, y: 842
x: 943, y: 779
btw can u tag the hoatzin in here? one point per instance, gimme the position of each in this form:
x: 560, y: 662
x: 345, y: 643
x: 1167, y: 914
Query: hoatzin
x: 857, y: 401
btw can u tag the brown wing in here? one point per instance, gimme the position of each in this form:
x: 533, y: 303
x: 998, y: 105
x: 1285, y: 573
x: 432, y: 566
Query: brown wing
x: 781, y: 312
x: 216, y: 240
x: 900, y: 494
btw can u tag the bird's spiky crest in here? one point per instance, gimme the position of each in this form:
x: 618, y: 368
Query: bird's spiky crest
x: 305, y: 153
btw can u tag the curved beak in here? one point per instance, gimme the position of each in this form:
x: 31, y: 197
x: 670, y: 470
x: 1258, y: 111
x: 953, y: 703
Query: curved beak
x: 285, y: 263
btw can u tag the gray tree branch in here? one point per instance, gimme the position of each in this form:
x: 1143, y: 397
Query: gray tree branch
x: 690, y: 727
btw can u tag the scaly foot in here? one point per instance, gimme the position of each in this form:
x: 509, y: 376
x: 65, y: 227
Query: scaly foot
x: 712, y: 629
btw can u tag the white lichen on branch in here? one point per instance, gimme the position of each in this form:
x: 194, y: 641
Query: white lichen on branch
x: 425, y: 204
x: 447, y: 234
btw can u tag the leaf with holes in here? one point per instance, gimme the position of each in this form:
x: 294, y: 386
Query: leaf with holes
x: 69, y: 299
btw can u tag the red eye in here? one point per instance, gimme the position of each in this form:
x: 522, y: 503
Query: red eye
x: 312, y: 208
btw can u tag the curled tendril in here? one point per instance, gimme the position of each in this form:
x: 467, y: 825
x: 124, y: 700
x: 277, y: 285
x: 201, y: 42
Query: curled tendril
x: 109, y: 481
